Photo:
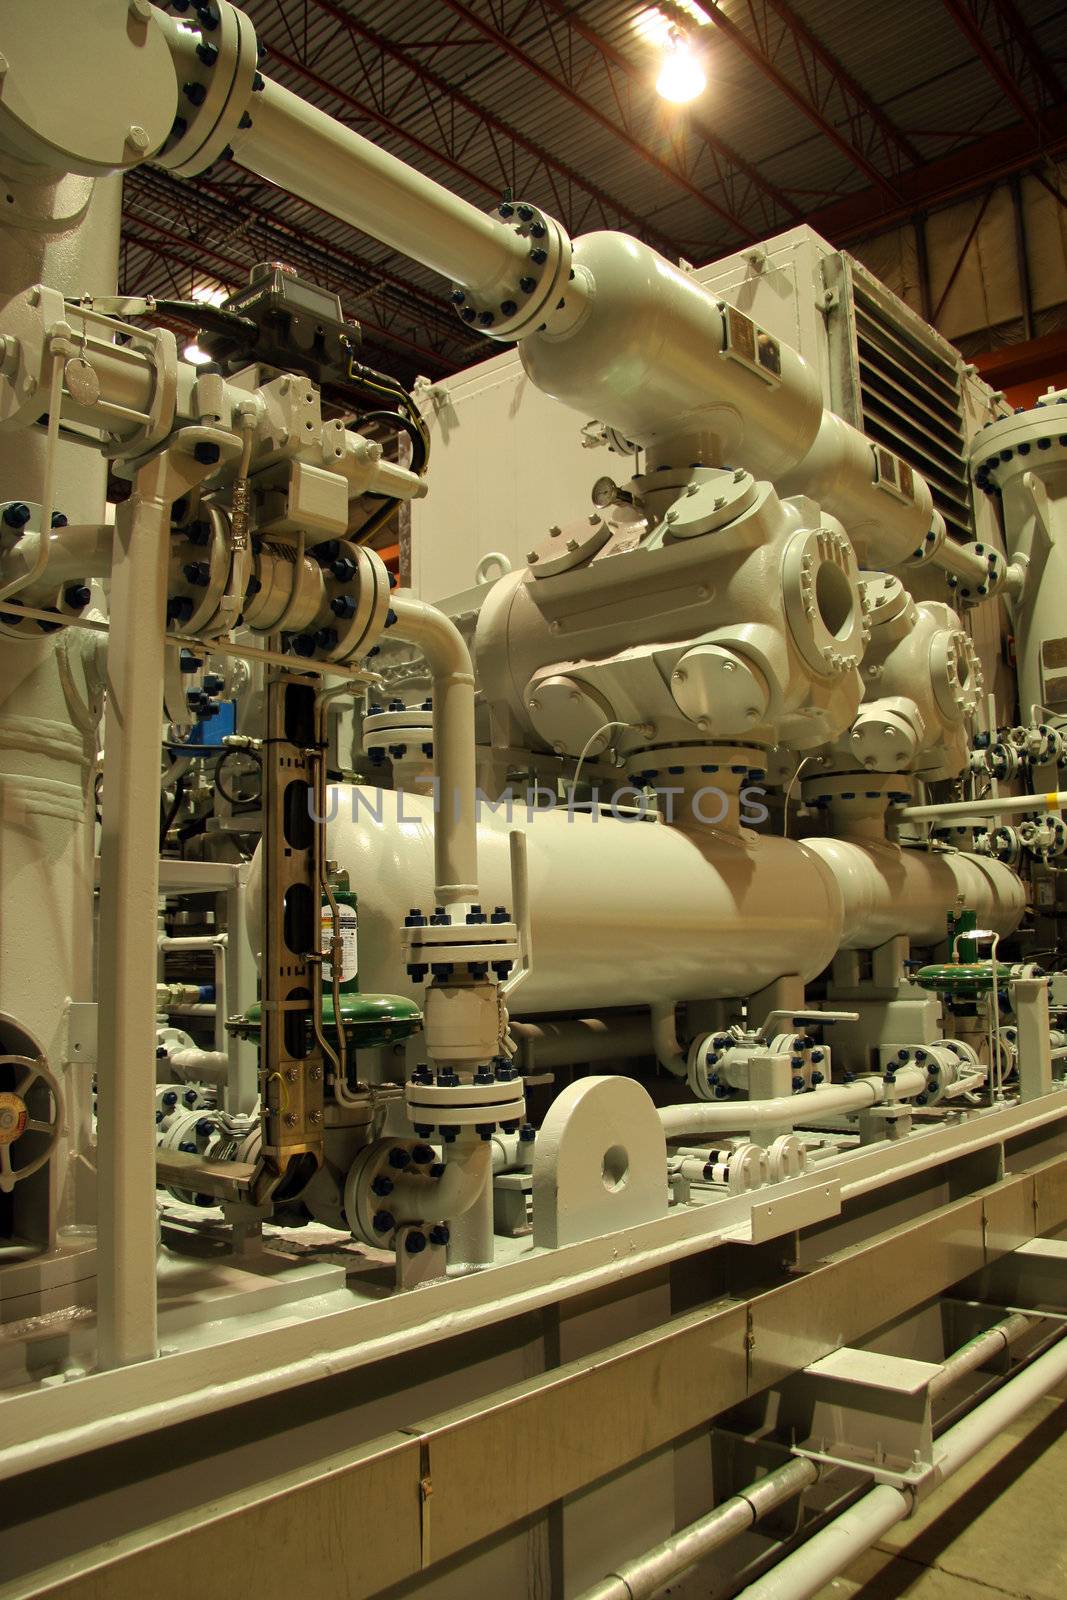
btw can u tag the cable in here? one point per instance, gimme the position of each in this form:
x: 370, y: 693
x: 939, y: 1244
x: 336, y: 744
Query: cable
x: 789, y: 790
x: 419, y: 450
x: 592, y: 739
x: 232, y: 799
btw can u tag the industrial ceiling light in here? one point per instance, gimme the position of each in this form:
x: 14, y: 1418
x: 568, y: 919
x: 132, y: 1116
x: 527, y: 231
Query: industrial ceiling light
x: 681, y: 74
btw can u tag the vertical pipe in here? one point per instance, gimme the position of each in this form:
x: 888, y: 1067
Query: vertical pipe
x: 129, y: 892
x: 471, y: 1242
x: 455, y: 826
x: 64, y: 231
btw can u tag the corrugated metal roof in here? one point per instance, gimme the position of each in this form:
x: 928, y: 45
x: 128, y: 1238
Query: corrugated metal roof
x: 430, y: 84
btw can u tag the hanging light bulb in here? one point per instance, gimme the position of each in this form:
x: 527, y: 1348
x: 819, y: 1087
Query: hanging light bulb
x: 681, y: 75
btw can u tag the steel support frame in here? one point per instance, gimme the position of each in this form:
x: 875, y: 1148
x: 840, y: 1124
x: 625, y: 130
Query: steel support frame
x: 451, y: 1481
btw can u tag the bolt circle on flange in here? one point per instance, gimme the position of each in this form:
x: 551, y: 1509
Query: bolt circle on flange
x: 517, y: 308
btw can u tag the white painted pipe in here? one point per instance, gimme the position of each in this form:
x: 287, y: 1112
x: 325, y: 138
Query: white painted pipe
x: 650, y: 1572
x: 830, y: 1551
x: 993, y: 806
x: 649, y: 354
x: 129, y: 892
x: 621, y: 913
x: 891, y: 891
x: 452, y: 674
x: 309, y: 153
x: 669, y: 1052
x: 828, y: 1100
x: 468, y: 1178
x: 206, y: 1066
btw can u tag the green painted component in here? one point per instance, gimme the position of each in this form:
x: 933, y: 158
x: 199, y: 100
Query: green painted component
x: 369, y: 1019
x: 960, y: 977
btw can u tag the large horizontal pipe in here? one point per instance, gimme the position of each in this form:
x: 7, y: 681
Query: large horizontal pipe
x: 309, y: 153
x: 890, y: 891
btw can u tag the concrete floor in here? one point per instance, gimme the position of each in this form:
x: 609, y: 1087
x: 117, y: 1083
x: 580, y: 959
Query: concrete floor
x: 999, y: 1528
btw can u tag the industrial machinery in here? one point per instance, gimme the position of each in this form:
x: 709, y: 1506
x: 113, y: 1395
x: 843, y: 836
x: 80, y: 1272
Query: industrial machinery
x: 632, y: 953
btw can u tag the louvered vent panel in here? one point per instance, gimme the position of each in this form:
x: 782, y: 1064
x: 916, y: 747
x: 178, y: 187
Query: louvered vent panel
x: 910, y: 398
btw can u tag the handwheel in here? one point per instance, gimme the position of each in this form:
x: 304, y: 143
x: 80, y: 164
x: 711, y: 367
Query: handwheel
x: 27, y: 1126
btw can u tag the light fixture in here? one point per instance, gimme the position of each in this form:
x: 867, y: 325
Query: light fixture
x: 207, y: 294
x: 681, y: 75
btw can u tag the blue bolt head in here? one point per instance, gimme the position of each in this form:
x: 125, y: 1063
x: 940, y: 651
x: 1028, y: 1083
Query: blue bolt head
x: 205, y: 1128
x: 415, y: 1242
x: 170, y: 1098
x: 399, y: 1158
x: 381, y: 1185
x: 190, y: 1097
x: 798, y: 1084
x: 77, y: 596
x: 439, y: 1234
x: 422, y: 1154
x: 383, y: 1222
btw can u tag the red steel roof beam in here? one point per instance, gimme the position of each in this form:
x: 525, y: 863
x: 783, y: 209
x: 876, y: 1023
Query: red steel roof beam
x: 552, y: 163
x: 879, y: 118
x: 965, y: 16
x: 581, y: 104
x: 720, y: 151
x: 748, y: 48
